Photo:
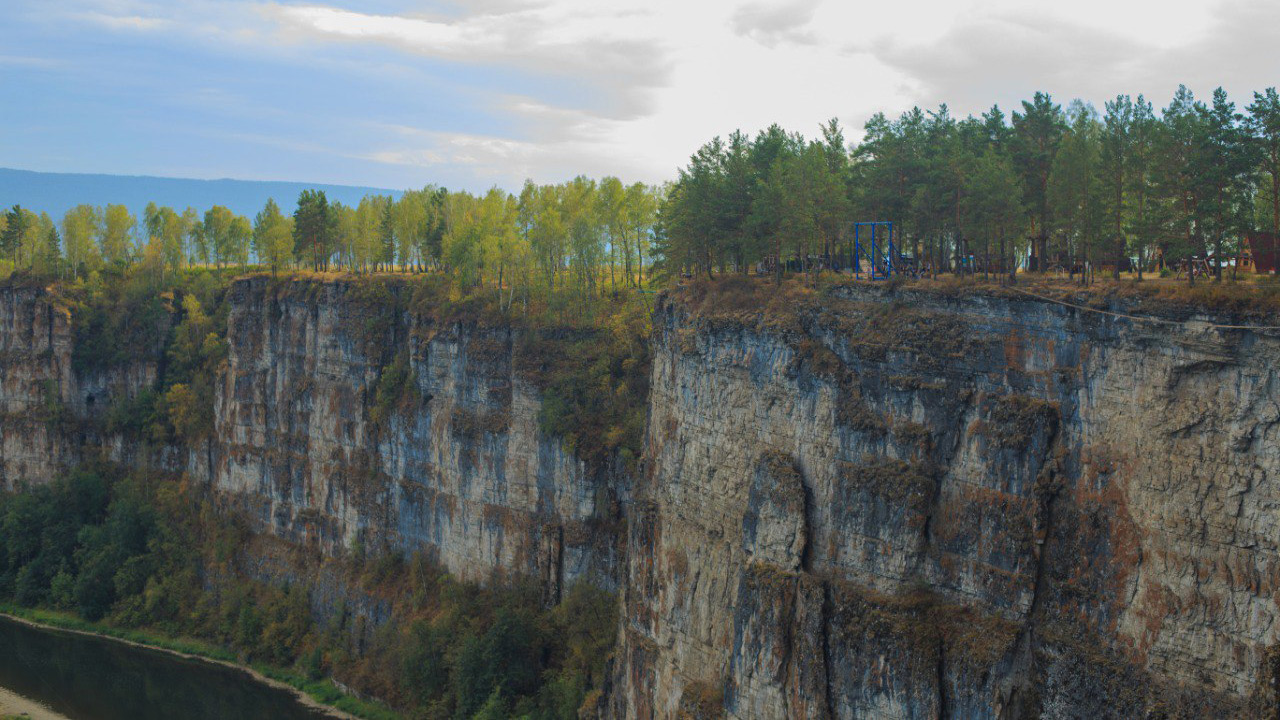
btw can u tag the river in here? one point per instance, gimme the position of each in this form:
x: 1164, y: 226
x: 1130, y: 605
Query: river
x: 90, y: 678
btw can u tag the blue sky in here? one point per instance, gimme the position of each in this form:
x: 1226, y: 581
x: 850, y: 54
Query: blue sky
x: 400, y: 94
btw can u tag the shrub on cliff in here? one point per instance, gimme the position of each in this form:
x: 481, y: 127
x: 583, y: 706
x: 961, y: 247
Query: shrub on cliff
x: 117, y: 317
x: 1015, y: 420
x: 195, y: 356
x: 123, y: 322
x: 595, y: 383
x: 396, y: 390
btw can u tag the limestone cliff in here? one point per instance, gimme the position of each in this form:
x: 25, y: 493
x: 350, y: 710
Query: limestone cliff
x: 36, y: 382
x: 345, y: 418
x: 909, y: 505
x: 865, y: 503
x: 74, y: 372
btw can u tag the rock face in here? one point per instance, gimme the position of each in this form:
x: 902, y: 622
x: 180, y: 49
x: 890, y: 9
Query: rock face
x: 346, y: 420
x: 54, y: 403
x: 35, y: 383
x: 867, y: 504
x: 912, y: 506
x: 342, y: 421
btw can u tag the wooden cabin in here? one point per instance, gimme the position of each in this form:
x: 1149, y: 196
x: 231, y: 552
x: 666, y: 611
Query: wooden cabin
x: 1259, y: 253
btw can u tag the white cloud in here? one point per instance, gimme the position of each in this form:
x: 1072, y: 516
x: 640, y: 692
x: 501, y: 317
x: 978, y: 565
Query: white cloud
x: 31, y: 61
x: 491, y: 159
x: 663, y: 76
x: 415, y: 33
x: 772, y: 23
x: 1008, y: 54
x: 124, y: 22
x: 587, y: 46
x: 414, y: 158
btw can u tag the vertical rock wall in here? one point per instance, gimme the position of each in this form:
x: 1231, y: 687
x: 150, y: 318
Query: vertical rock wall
x: 35, y: 383
x: 450, y: 458
x: 53, y: 404
x: 920, y: 506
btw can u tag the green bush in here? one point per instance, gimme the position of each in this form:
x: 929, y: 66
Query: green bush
x: 594, y: 383
x: 126, y: 316
x: 117, y: 319
x: 396, y: 390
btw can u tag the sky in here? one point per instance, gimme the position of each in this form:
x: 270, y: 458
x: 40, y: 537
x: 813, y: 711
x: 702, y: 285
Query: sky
x: 398, y: 94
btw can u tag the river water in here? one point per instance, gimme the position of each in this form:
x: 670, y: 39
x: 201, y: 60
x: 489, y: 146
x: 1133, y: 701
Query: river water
x: 89, y: 678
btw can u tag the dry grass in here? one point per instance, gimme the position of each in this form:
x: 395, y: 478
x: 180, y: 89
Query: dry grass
x: 1015, y: 420
x: 898, y: 481
x: 1251, y: 295
x: 701, y: 701
x: 922, y: 622
x: 746, y: 302
x: 784, y: 485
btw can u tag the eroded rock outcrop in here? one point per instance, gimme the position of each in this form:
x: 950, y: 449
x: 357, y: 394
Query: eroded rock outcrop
x: 68, y: 378
x: 346, y: 419
x: 36, y: 382
x: 976, y: 507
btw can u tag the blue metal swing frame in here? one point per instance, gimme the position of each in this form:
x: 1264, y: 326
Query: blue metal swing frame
x: 881, y: 254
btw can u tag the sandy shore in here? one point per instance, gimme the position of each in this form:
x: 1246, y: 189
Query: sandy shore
x: 5, y: 696
x: 12, y: 703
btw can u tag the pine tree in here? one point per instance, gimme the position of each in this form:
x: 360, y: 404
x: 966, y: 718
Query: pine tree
x: 313, y: 228
x: 1037, y: 131
x: 1115, y: 161
x: 1227, y: 206
x: 17, y: 223
x: 1147, y: 218
x: 1264, y: 125
x: 1074, y: 190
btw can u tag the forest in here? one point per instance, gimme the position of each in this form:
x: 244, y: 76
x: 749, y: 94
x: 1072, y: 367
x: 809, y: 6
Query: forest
x: 584, y: 236
x: 1046, y: 187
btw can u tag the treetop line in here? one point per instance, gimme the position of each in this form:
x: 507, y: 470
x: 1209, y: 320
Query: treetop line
x: 1050, y: 188
x: 1194, y: 188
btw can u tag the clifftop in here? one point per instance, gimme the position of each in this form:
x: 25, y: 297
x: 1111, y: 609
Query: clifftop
x: 1256, y: 303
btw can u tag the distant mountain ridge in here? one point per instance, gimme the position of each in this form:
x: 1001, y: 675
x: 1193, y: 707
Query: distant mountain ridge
x: 56, y: 193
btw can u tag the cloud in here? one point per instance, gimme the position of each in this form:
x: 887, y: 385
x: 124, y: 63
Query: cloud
x: 31, y: 61
x: 124, y: 22
x: 990, y: 58
x: 413, y: 158
x: 1238, y: 50
x: 618, y: 68
x: 472, y: 92
x: 1007, y: 56
x: 491, y: 158
x: 770, y: 25
x: 627, y: 89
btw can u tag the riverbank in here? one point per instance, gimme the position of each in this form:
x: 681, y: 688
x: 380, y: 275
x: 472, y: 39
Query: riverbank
x: 13, y: 705
x: 321, y: 696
